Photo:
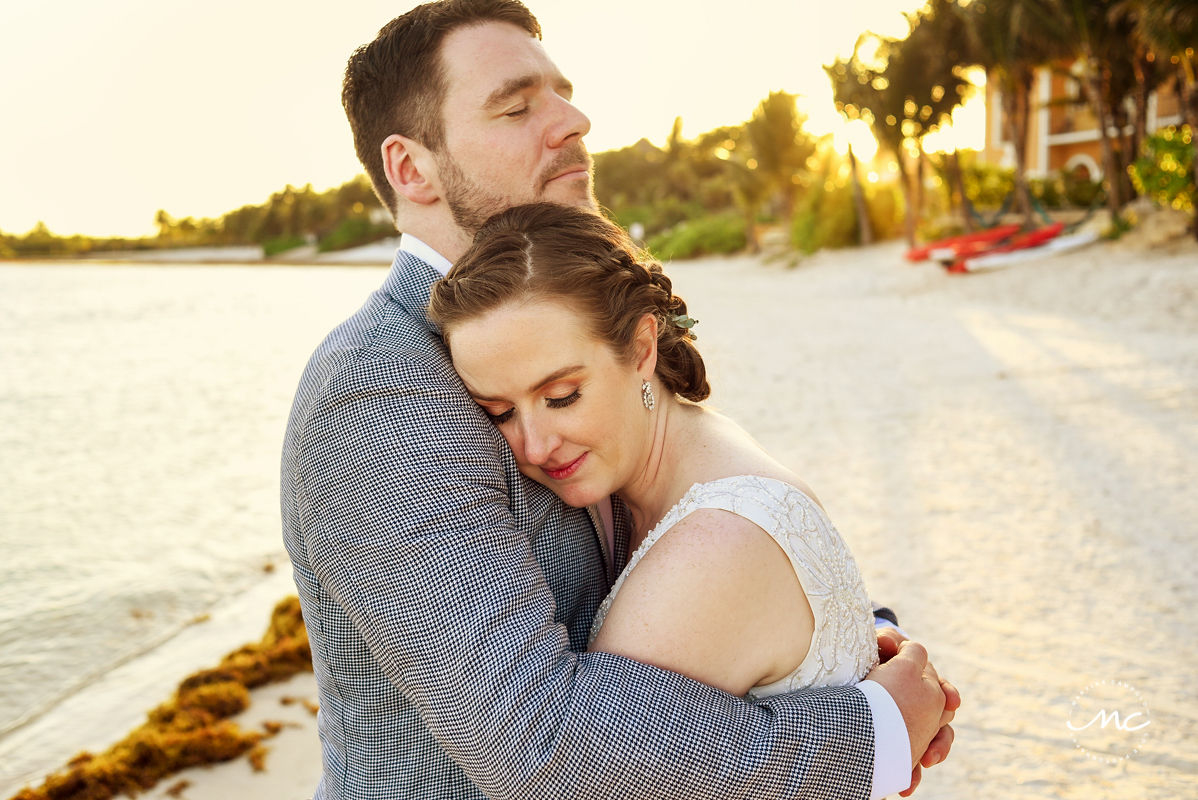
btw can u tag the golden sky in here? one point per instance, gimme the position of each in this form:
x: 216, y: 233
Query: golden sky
x: 113, y: 110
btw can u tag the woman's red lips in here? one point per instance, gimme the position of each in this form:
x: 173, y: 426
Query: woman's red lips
x: 561, y: 473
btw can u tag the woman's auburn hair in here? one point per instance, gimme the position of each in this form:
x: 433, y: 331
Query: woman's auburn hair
x: 552, y: 251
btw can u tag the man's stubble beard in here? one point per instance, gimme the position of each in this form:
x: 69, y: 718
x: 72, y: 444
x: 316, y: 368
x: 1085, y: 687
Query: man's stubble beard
x: 472, y: 205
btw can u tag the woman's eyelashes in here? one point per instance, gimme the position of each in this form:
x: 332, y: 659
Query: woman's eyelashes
x: 550, y: 402
x: 499, y: 419
x: 562, y: 402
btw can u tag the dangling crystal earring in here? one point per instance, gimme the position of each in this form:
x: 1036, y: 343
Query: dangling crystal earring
x: 647, y: 395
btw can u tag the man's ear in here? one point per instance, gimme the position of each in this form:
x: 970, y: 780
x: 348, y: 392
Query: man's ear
x: 645, y: 346
x: 411, y: 169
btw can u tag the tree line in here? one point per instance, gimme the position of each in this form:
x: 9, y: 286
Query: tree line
x: 344, y: 216
x: 714, y: 193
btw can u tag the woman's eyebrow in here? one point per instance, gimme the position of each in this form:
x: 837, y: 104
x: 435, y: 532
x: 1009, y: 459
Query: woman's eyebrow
x: 556, y: 375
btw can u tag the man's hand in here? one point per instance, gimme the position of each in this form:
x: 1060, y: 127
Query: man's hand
x: 890, y: 642
x: 915, y: 687
x: 937, y: 751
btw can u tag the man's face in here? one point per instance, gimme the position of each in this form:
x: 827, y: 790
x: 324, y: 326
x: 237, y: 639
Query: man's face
x: 511, y: 134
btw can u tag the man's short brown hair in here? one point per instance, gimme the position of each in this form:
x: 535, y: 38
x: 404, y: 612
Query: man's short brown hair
x: 397, y: 83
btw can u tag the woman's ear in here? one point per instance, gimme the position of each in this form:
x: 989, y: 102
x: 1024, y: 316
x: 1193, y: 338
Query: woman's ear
x: 645, y: 346
x: 410, y: 169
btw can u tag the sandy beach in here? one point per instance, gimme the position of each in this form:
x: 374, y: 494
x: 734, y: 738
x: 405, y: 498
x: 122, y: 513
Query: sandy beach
x: 1012, y: 457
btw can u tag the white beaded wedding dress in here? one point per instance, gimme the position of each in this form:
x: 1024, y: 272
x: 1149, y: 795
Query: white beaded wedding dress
x: 844, y: 646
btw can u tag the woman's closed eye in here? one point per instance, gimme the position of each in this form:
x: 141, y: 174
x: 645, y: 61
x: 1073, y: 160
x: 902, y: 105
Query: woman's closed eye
x: 551, y: 402
x: 562, y: 402
x: 502, y: 417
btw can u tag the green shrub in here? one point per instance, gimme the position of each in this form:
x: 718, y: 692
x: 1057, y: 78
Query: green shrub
x: 281, y: 244
x: 1082, y: 192
x: 824, y: 217
x: 714, y: 235
x: 353, y: 232
x: 931, y: 230
x: 659, y: 216
x: 1165, y: 172
x: 886, y: 207
x: 988, y: 185
x: 1049, y: 191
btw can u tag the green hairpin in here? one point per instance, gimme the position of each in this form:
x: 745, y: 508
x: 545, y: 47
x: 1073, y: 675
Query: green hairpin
x: 686, y: 323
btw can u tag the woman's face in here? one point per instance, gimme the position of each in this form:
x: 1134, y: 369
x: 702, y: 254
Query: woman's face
x: 569, y: 407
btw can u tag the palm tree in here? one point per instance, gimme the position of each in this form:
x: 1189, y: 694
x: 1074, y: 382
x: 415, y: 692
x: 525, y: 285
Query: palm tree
x: 780, y: 146
x: 1010, y: 39
x: 1099, y: 41
x: 1170, y: 28
x: 863, y: 92
x: 930, y: 72
x: 906, y: 90
x: 1148, y: 73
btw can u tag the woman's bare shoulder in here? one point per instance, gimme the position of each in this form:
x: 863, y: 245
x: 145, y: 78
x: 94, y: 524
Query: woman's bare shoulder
x: 716, y: 599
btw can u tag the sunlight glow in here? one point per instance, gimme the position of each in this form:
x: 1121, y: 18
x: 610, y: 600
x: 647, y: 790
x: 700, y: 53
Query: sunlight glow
x: 199, y: 110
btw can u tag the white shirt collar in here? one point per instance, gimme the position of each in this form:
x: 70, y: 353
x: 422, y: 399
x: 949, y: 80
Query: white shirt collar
x: 410, y: 244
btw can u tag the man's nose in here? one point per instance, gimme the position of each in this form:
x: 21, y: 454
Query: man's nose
x: 570, y: 123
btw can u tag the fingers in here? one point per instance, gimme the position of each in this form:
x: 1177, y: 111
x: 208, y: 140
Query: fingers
x: 929, y: 671
x: 889, y: 640
x: 946, y: 717
x: 913, y: 652
x: 952, y: 697
x: 938, y: 748
x: 916, y: 777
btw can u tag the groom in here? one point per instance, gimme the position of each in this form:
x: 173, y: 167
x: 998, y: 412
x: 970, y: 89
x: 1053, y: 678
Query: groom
x: 448, y: 599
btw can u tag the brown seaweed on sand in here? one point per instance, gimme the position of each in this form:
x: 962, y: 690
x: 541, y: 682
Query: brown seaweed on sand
x: 192, y: 728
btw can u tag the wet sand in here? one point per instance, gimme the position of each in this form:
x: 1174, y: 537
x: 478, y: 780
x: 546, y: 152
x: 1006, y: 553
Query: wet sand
x: 1012, y: 457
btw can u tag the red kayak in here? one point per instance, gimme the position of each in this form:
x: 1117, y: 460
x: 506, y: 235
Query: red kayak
x: 1021, y: 242
x: 965, y: 243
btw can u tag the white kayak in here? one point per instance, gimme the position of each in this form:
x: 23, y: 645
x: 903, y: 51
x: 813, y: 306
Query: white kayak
x: 1060, y: 244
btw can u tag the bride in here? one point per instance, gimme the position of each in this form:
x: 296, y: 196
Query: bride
x: 585, y: 359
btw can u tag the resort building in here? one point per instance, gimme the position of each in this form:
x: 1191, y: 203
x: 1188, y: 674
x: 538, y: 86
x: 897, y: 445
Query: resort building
x: 1063, y: 135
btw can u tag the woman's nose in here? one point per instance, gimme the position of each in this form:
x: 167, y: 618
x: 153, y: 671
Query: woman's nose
x: 539, y: 441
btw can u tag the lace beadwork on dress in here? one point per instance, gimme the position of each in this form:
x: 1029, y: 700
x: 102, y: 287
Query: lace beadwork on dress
x: 843, y: 646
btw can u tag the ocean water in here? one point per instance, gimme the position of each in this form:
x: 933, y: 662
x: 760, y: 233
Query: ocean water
x: 142, y: 411
x: 1013, y: 471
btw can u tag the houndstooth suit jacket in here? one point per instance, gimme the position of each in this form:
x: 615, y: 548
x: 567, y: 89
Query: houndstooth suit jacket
x: 448, y: 600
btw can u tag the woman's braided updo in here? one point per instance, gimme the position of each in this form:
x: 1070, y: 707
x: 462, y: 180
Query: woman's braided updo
x: 551, y: 251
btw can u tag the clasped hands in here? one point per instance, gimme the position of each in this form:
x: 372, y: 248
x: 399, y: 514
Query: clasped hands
x: 926, y: 701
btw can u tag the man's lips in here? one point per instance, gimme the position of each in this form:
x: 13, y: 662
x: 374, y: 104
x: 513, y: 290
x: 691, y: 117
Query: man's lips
x: 574, y: 173
x: 563, y: 472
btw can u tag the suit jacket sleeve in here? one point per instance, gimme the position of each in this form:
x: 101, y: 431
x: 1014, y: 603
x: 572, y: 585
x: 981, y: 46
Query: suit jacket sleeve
x: 407, y: 524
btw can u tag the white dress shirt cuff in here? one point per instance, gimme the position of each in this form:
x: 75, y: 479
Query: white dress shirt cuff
x: 892, y: 748
x: 880, y: 622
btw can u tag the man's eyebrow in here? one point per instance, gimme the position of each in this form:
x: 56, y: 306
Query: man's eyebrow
x: 516, y: 85
x: 510, y: 87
